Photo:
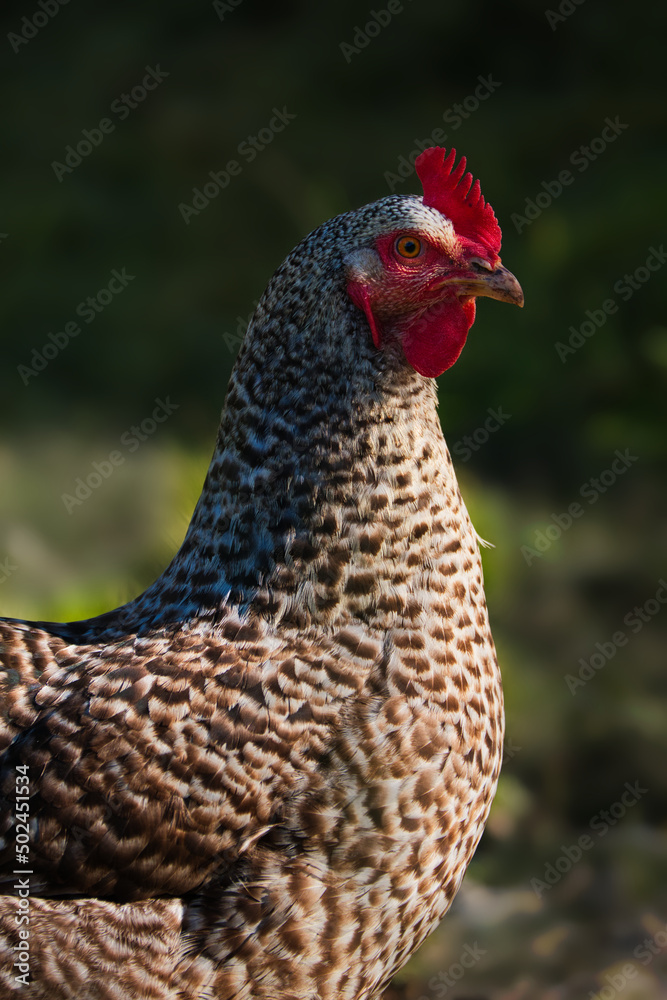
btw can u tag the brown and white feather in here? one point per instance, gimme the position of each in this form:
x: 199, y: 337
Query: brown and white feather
x: 266, y: 775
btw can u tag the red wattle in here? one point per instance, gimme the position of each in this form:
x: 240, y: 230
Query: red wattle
x: 433, y: 342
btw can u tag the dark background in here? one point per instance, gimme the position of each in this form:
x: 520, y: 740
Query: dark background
x: 173, y: 333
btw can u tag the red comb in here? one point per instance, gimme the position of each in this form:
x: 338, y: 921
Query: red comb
x: 456, y: 196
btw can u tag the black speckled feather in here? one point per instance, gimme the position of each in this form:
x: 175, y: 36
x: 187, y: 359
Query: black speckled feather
x: 267, y: 774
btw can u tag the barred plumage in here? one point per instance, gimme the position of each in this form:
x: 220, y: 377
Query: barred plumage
x: 267, y: 774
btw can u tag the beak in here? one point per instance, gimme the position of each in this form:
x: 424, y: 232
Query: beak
x: 497, y: 284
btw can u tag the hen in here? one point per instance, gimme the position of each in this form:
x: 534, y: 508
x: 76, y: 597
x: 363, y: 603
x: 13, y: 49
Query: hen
x: 265, y: 776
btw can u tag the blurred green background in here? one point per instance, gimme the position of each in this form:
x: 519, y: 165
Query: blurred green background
x: 172, y: 333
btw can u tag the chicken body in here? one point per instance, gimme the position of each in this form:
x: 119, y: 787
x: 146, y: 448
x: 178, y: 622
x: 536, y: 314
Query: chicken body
x: 266, y: 775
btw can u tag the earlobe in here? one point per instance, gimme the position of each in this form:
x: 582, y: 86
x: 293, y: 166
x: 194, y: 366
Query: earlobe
x: 358, y: 292
x: 362, y: 267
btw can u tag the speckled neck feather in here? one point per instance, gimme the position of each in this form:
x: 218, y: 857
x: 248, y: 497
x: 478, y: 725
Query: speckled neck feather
x: 266, y: 775
x: 330, y: 474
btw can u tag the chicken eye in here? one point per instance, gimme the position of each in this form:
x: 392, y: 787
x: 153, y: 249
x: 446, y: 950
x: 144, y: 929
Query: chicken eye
x: 408, y: 246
